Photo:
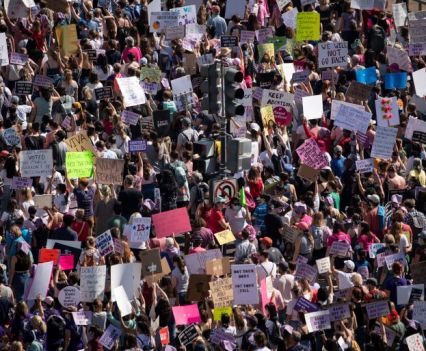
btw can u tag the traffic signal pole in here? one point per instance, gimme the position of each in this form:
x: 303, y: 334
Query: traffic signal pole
x: 223, y: 125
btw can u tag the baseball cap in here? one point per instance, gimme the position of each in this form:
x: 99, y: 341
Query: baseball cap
x: 143, y: 61
x: 255, y: 127
x: 349, y: 265
x: 219, y: 200
x: 374, y: 198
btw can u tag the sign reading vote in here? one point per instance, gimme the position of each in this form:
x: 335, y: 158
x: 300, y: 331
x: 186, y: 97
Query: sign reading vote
x: 36, y: 163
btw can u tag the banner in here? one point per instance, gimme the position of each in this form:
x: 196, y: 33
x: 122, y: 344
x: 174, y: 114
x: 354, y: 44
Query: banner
x: 109, y: 171
x: 79, y: 164
x: 36, y: 163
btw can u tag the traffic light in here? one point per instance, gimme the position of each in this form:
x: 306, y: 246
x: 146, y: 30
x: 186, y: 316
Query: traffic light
x: 233, y: 91
x: 211, y: 88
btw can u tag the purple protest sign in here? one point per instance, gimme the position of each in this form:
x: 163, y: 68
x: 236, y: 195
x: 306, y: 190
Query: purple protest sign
x: 306, y: 271
x: 340, y: 248
x: 18, y: 59
x: 303, y: 304
x: 129, y: 117
x: 21, y: 183
x: 137, y: 146
x: 339, y: 312
x: 377, y: 309
x: 43, y: 81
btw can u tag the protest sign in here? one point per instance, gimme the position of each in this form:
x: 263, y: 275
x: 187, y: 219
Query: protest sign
x: 352, y: 119
x: 151, y: 262
x: 282, y: 104
x: 220, y: 335
x: 109, y: 171
x: 419, y: 78
x: 128, y: 275
x: 66, y: 262
x: 308, y: 26
x: 308, y: 173
x: 175, y: 32
x: 36, y: 163
x: 47, y: 255
x: 109, y: 337
x: 419, y: 137
x: 263, y: 34
x: 235, y: 7
x: 305, y: 305
x: 416, y: 49
x: 244, y: 283
x: 228, y: 41
x: 304, y: 270
x: 18, y: 59
x: 82, y: 317
x: 18, y: 8
x: 171, y: 222
x: 69, y: 296
x: 4, y: 53
x: 403, y: 293
x: 57, y: 5
x: 384, y: 140
x: 131, y: 91
x: 129, y: 117
x: 104, y: 243
x: 153, y: 6
x: 123, y: 302
x: 332, y: 54
x: 92, y: 283
x: 224, y: 237
x: 41, y: 281
x: 317, y: 320
x: 165, y: 270
x: 399, y: 81
x: 323, y: 265
x: 418, y: 272
x: 21, y: 182
x: 290, y: 18
x: 267, y: 114
x: 103, y: 93
x: 358, y: 91
x: 339, y: 248
x: 398, y: 257
x: 141, y: 228
x: 222, y: 292
x: 79, y: 142
x: 137, y: 146
x: 387, y: 111
x: 299, y: 94
x: 164, y: 336
x: 23, y: 88
x: 414, y: 124
x: 159, y: 21
x: 73, y: 244
x: 311, y: 155
x: 198, y: 287
x: 218, y: 266
x: 366, y: 76
x: 362, y: 4
x: 415, y: 342
x: 79, y: 164
x: 336, y: 104
x: 339, y: 312
x: 312, y: 107
x: 300, y: 76
x: 377, y: 309
x: 67, y: 39
x: 266, y: 49
x: 290, y: 234
x: 219, y: 311
x: 247, y: 36
x: 162, y: 122
x: 187, y: 15
x: 419, y: 312
x: 373, y: 248
x: 196, y: 263
x: 365, y: 166
x: 149, y: 74
x: 42, y: 201
x: 188, y: 335
x: 399, y: 57
x: 186, y: 314
x: 11, y: 137
x: 399, y: 14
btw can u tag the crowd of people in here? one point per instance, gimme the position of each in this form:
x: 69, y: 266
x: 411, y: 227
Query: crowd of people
x: 315, y: 239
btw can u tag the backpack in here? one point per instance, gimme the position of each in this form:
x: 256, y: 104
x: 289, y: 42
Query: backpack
x: 180, y: 174
x: 276, y: 336
x: 376, y: 39
x: 381, y: 214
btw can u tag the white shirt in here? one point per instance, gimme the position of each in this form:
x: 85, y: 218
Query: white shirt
x: 284, y: 284
x: 266, y: 269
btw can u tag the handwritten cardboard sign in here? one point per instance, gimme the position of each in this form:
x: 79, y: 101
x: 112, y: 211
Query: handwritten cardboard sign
x: 222, y: 292
x: 224, y: 237
x: 109, y: 171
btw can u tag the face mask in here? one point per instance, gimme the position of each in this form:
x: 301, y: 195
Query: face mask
x: 237, y: 208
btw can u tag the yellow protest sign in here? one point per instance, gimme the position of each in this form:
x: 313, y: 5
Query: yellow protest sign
x: 308, y: 26
x: 267, y: 113
x: 152, y: 75
x: 79, y: 142
x: 224, y: 237
x: 218, y: 311
x: 67, y: 38
x: 266, y: 49
x: 79, y: 164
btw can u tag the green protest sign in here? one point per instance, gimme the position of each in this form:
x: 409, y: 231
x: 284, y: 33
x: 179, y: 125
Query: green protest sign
x: 79, y: 164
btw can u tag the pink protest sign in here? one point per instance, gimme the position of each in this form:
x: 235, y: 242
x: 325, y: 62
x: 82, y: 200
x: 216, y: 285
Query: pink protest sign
x: 263, y: 294
x: 66, y: 262
x: 311, y: 155
x: 171, y: 222
x: 186, y: 314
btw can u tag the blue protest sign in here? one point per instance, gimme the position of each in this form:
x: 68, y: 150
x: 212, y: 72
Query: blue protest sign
x: 396, y: 80
x: 366, y: 76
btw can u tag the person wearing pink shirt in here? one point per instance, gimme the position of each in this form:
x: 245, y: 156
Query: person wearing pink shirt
x: 131, y: 49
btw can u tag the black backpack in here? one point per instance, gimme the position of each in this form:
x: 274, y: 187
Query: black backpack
x: 376, y: 39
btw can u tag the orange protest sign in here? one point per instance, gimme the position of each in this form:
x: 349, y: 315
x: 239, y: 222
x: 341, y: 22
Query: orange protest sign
x: 47, y: 255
